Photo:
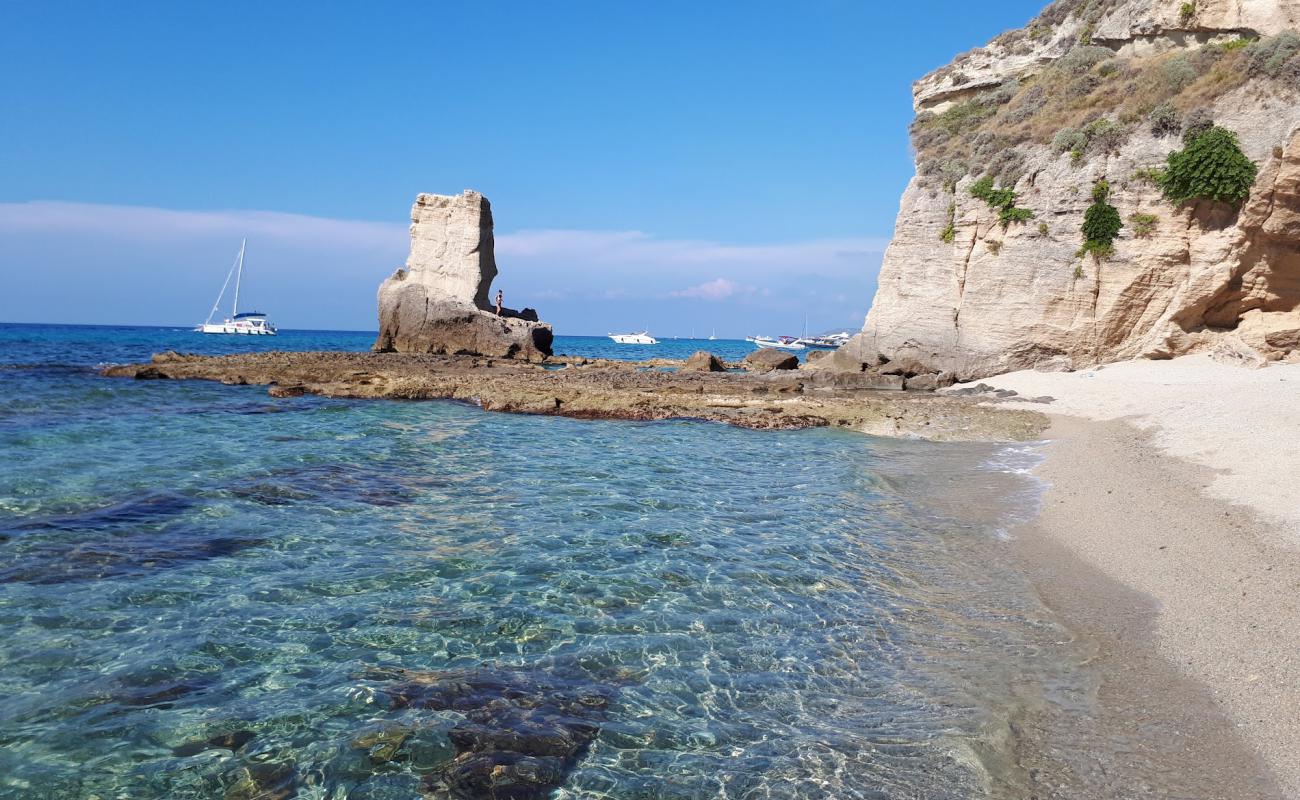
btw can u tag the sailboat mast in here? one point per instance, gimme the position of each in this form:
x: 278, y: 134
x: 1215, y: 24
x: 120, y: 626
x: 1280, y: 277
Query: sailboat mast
x: 234, y: 309
x: 217, y: 303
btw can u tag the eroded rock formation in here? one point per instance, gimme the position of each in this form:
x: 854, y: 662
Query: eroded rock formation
x: 965, y: 293
x: 439, y: 302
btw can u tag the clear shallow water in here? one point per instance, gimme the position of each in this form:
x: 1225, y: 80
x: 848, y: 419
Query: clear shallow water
x: 207, y: 592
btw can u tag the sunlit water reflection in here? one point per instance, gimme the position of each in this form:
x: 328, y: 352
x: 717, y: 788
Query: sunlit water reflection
x: 206, y: 592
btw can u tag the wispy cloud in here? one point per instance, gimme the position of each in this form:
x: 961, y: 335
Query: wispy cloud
x: 163, y: 224
x: 716, y: 289
x: 87, y: 259
x: 619, y: 248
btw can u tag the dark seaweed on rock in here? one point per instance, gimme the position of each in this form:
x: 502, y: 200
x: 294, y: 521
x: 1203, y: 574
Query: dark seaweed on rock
x: 522, y: 735
x: 330, y: 484
x: 58, y: 562
x: 146, y: 509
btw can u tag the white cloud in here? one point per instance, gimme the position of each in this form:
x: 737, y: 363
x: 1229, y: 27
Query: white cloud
x: 88, y: 261
x: 164, y: 224
x: 615, y: 249
x: 716, y: 289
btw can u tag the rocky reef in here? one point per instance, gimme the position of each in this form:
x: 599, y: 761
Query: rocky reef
x: 439, y: 302
x: 575, y: 387
x: 990, y: 270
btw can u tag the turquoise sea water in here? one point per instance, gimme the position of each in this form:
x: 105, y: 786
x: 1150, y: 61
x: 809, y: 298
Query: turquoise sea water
x: 206, y: 592
x: 83, y: 343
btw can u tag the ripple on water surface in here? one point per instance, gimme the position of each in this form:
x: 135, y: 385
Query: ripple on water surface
x: 382, y: 599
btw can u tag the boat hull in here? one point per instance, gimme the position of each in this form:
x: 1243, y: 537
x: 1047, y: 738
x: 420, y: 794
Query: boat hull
x: 775, y: 343
x: 235, y: 330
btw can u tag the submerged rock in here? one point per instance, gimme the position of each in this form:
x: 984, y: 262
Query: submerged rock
x: 519, y: 736
x: 231, y: 740
x: 439, y: 302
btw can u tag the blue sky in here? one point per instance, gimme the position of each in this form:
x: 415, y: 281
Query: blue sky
x: 668, y: 164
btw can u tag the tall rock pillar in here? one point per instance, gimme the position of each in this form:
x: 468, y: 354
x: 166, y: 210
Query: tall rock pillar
x: 439, y: 302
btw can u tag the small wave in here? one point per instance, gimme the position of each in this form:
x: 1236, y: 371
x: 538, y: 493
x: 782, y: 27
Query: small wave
x: 1020, y: 460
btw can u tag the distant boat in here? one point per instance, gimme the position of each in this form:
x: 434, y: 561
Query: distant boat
x: 713, y: 336
x: 249, y: 323
x: 634, y: 338
x: 781, y: 342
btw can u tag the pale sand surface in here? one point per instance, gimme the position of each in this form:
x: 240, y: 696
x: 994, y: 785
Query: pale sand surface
x: 1242, y: 423
x: 1209, y: 541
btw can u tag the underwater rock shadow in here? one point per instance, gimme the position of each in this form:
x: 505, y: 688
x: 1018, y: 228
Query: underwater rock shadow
x: 522, y: 733
x: 131, y: 537
x: 379, y: 485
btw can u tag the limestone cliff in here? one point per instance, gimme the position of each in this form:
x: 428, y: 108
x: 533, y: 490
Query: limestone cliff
x: 1093, y: 91
x: 439, y: 303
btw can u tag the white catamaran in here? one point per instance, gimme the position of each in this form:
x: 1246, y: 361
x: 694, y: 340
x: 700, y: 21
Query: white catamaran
x: 250, y: 323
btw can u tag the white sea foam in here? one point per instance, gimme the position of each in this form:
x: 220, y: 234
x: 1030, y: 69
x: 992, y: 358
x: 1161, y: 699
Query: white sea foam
x: 1020, y: 460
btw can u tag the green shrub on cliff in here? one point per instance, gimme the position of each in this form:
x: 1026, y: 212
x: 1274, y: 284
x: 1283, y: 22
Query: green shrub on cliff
x: 1269, y: 55
x: 1199, y: 120
x: 1104, y: 135
x: 1002, y: 200
x: 1143, y: 225
x: 1165, y: 120
x: 1101, y: 223
x: 949, y: 233
x: 1210, y: 167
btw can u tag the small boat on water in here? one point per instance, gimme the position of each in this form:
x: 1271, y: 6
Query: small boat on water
x: 780, y: 342
x: 643, y: 337
x: 249, y: 323
x: 827, y: 342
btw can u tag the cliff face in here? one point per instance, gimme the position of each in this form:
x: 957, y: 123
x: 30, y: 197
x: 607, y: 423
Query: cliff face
x: 1086, y: 92
x: 439, y: 303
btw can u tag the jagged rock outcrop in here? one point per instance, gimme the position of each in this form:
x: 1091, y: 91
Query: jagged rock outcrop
x: 768, y: 359
x: 964, y: 292
x: 703, y: 361
x: 439, y: 303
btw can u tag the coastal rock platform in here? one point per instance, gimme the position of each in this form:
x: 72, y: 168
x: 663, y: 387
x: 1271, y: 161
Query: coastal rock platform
x: 576, y: 387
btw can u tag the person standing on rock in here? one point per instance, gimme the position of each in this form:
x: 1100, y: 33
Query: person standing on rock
x: 498, y: 302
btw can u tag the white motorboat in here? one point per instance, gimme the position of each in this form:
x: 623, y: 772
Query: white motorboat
x: 828, y: 342
x: 249, y: 323
x: 634, y: 338
x: 781, y: 342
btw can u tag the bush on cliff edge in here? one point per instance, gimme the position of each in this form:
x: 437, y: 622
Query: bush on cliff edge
x: 1210, y: 167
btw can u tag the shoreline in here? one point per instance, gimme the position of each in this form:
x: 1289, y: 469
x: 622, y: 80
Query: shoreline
x: 1183, y: 604
x: 1180, y: 603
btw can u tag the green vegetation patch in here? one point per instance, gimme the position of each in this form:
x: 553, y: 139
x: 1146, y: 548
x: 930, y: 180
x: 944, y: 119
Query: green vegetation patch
x: 1101, y: 223
x: 1210, y: 167
x: 1002, y: 200
x: 950, y: 232
x: 1143, y: 225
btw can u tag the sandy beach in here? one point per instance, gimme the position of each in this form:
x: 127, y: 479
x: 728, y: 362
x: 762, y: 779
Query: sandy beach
x: 1169, y: 542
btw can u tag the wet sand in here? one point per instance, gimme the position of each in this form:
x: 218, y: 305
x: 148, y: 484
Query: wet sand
x: 1185, y: 605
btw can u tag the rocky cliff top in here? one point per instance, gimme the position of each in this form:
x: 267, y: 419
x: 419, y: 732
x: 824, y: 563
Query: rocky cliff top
x: 1137, y: 27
